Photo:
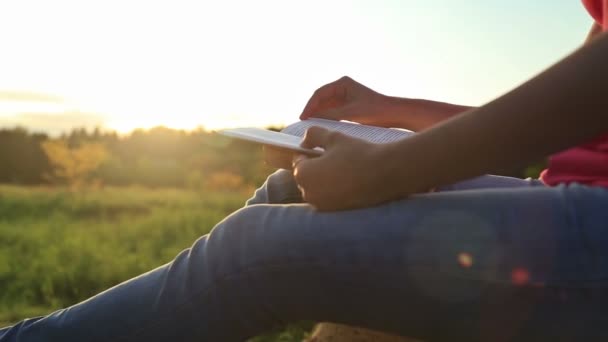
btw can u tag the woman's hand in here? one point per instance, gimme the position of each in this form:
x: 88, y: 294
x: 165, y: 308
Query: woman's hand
x: 350, y: 174
x: 347, y: 99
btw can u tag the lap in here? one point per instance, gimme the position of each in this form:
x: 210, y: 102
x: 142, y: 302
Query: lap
x: 453, y: 257
x: 521, y: 223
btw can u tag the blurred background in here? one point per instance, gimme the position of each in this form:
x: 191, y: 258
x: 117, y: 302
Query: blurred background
x: 108, y: 167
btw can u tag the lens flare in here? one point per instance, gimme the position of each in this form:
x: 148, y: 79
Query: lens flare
x: 465, y: 260
x: 520, y: 276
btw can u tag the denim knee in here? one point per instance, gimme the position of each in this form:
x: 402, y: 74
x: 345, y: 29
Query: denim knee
x: 250, y: 237
x: 279, y: 187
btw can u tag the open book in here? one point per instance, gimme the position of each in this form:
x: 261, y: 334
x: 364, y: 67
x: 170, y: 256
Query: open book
x: 291, y: 136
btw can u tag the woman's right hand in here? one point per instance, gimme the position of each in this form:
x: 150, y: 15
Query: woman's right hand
x: 347, y: 99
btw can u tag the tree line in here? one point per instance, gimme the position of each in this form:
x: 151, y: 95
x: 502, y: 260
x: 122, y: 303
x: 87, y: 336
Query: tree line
x: 158, y: 157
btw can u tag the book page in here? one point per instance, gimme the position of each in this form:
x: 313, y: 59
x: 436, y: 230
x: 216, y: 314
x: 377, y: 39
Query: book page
x: 365, y: 132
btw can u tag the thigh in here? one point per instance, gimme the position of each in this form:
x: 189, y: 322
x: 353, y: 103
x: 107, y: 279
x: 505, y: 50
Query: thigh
x: 495, y: 264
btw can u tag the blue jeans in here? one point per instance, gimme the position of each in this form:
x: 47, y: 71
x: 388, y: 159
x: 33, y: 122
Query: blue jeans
x: 490, y: 259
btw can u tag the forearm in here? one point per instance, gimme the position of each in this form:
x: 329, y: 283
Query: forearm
x: 422, y: 114
x: 559, y: 108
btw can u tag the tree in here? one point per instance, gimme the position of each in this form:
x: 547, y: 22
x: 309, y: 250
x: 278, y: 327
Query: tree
x: 73, y: 165
x: 22, y: 160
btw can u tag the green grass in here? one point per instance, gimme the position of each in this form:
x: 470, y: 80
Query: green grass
x: 58, y: 247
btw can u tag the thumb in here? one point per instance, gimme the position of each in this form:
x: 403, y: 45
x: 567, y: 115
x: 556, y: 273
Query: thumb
x: 318, y: 137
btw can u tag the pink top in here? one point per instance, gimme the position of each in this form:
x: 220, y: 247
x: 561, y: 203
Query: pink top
x: 586, y: 163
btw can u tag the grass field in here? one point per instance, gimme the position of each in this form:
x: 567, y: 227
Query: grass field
x: 58, y: 246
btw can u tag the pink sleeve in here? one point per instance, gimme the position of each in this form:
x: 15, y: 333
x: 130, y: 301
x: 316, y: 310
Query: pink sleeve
x: 597, y: 9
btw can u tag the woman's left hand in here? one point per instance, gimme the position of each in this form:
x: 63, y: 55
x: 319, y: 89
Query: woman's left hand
x: 351, y: 173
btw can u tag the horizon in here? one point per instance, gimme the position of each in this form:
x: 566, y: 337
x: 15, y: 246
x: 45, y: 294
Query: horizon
x: 187, y: 64
x: 108, y: 130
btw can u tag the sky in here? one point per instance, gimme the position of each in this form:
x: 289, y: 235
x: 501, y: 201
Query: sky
x: 186, y: 64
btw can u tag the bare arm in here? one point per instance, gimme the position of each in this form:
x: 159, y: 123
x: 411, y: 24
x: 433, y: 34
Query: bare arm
x: 420, y: 114
x: 347, y: 99
x: 561, y: 107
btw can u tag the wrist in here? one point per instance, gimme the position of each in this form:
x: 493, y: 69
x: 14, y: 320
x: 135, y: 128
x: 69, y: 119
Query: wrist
x: 397, y: 111
x: 419, y: 114
x: 413, y: 114
x: 401, y: 170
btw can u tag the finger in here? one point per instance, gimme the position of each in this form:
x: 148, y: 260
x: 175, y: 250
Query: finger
x: 306, y: 174
x: 329, y: 95
x: 321, y: 95
x: 301, y: 172
x: 316, y: 137
x: 297, y: 159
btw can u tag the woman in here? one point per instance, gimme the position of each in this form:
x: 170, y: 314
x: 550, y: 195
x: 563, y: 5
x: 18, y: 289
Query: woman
x: 493, y: 259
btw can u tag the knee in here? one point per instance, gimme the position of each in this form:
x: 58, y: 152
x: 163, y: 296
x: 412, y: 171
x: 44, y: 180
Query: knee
x: 281, y: 177
x: 280, y: 187
x: 246, y: 237
x: 242, y: 224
